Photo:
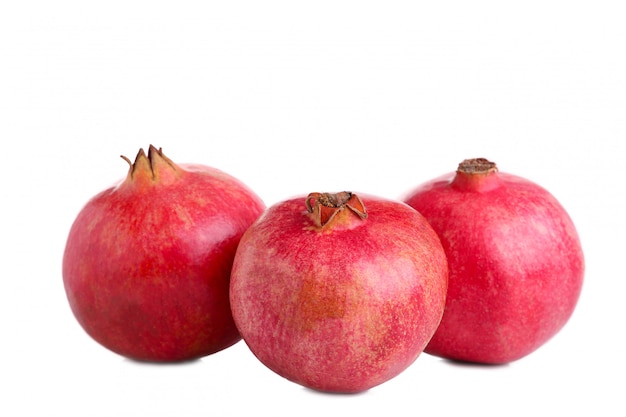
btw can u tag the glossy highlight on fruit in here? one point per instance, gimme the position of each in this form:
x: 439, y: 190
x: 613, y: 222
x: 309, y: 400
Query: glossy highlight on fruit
x: 147, y: 262
x: 515, y: 258
x: 338, y: 292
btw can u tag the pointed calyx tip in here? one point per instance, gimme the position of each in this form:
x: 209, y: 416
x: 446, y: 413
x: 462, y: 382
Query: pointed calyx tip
x: 155, y: 165
x: 327, y: 206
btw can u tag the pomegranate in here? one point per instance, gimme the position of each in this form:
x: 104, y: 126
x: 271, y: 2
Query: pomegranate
x: 338, y: 293
x: 516, y: 263
x: 147, y: 263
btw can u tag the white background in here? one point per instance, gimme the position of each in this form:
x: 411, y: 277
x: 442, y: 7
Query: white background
x: 295, y: 97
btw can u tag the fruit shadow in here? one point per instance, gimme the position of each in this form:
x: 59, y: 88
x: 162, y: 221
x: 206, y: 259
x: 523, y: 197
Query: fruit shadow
x: 136, y: 362
x: 474, y: 365
x: 334, y: 394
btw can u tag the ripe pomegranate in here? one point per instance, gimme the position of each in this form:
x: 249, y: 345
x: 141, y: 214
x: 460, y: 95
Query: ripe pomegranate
x: 337, y: 297
x: 515, y: 259
x: 147, y: 263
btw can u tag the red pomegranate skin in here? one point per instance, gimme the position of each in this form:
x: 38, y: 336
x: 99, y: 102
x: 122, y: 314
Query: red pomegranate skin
x: 147, y: 263
x: 340, y: 307
x: 515, y: 259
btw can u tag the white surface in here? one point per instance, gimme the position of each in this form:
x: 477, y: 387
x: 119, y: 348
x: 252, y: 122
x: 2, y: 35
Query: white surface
x: 295, y: 97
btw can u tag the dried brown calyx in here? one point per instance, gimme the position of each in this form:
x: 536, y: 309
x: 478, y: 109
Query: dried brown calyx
x: 327, y: 207
x: 477, y: 175
x: 153, y: 167
x: 477, y: 166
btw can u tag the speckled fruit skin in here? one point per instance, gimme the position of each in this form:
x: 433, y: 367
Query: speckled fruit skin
x: 343, y: 307
x: 516, y: 264
x: 147, y: 263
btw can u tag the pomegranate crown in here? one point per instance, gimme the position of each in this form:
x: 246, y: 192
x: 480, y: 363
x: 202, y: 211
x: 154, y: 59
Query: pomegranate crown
x: 153, y: 167
x: 327, y: 206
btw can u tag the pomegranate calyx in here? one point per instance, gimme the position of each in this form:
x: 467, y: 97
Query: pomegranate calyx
x: 476, y: 175
x: 477, y: 166
x: 327, y: 206
x: 154, y: 166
